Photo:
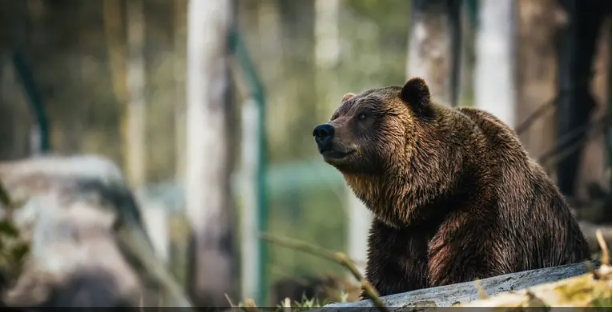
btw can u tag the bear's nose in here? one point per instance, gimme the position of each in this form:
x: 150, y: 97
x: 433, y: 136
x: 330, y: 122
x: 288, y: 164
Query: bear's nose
x: 323, y: 133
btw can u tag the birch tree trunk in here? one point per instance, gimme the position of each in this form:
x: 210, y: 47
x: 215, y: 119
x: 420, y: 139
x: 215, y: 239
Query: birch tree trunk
x: 208, y: 152
x: 494, y: 85
x: 136, y: 159
x: 180, y: 7
x: 431, y: 46
x: 178, y: 223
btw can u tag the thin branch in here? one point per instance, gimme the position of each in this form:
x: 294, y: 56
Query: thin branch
x: 337, y: 257
x: 603, y: 246
x: 560, y: 152
x: 482, y: 293
x: 543, y: 108
x: 526, y: 124
x: 229, y: 301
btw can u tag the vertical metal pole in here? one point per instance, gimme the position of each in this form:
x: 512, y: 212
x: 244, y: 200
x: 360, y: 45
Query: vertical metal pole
x: 36, y: 100
x: 260, y: 293
x: 262, y: 186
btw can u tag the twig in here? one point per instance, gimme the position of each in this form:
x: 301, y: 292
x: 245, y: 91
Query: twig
x: 526, y: 124
x: 551, y: 103
x: 337, y: 257
x: 603, y: 246
x: 561, y: 152
x: 480, y: 289
x: 229, y: 300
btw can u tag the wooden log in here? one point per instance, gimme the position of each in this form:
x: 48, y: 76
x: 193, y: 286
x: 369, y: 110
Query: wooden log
x: 587, y: 290
x: 448, y: 295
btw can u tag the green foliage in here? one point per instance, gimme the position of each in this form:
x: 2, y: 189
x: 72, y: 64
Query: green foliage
x: 601, y: 302
x: 4, y: 197
x: 13, y: 249
x: 306, y: 304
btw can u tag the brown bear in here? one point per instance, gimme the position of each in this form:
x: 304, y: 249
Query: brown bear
x: 454, y: 194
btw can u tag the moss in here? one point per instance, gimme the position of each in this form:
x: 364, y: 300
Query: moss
x: 588, y: 290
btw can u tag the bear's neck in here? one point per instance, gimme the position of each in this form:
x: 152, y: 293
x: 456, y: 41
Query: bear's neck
x: 415, y: 189
x: 400, y: 203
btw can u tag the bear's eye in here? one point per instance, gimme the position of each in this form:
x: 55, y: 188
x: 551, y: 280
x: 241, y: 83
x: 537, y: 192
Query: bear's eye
x: 361, y: 116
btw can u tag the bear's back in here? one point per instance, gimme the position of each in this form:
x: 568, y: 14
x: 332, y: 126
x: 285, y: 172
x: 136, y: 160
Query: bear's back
x: 531, y: 206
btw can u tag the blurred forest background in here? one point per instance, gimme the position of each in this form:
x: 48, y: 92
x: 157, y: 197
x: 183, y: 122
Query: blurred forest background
x: 112, y: 77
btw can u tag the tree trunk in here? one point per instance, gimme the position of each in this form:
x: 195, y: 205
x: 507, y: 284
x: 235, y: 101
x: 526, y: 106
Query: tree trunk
x: 468, y: 22
x: 178, y: 222
x: 431, y: 43
x: 15, y: 111
x: 209, y: 149
x: 272, y: 48
x: 537, y: 63
x: 595, y: 159
x: 136, y: 160
x: 577, y: 56
x: 180, y: 7
x: 113, y: 32
x: 494, y: 75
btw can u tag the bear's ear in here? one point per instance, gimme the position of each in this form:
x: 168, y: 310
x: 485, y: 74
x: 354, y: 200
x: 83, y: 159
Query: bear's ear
x: 416, y: 93
x: 347, y: 97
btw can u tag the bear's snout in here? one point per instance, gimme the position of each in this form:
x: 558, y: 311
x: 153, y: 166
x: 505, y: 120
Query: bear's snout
x: 323, y: 136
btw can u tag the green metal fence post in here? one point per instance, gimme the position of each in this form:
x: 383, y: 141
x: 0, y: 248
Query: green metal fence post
x: 257, y: 90
x: 34, y: 98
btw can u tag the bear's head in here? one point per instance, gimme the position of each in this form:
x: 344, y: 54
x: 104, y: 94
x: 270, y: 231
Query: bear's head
x: 381, y: 141
x: 369, y: 131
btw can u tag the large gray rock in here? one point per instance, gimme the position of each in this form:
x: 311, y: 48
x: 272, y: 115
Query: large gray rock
x: 88, y: 247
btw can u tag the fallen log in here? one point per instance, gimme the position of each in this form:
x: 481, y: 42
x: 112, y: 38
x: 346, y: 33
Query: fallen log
x: 449, y: 295
x: 587, y: 290
x: 86, y: 241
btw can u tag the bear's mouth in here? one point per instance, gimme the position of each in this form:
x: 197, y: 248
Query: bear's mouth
x: 332, y: 154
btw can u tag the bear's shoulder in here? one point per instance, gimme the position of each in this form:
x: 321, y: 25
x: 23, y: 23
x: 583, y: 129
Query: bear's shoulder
x: 497, y: 134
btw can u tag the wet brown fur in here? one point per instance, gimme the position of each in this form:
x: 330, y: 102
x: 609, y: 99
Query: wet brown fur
x: 454, y: 194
